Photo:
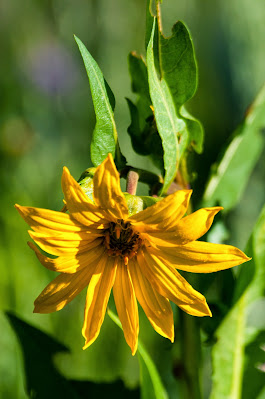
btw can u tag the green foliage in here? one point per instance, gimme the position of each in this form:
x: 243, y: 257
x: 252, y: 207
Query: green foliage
x: 42, y: 378
x: 229, y: 179
x: 33, y: 151
x: 105, y: 138
x: 169, y: 90
x: 166, y: 120
x: 150, y: 381
x: 142, y: 130
x: 238, y: 342
x: 179, y: 70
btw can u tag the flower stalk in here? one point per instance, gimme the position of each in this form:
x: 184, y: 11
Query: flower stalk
x: 132, y: 181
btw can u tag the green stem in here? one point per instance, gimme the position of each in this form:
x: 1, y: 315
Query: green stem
x: 191, y: 355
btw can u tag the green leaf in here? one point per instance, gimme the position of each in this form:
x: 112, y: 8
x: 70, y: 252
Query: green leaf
x: 254, y: 377
x: 151, y: 384
x: 234, y: 333
x: 137, y: 203
x: 149, y: 20
x: 171, y: 85
x: 179, y: 69
x: 145, y: 140
x: 142, y: 130
x: 229, y: 179
x: 178, y: 64
x: 105, y: 138
x: 138, y: 72
x: 167, y: 122
x: 42, y: 379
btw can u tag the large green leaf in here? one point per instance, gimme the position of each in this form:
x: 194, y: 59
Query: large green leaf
x: 172, y: 76
x: 142, y: 130
x: 105, y: 138
x: 236, y: 333
x: 44, y: 381
x: 178, y: 64
x: 167, y: 122
x: 178, y: 67
x: 151, y: 384
x: 230, y: 177
x: 170, y: 88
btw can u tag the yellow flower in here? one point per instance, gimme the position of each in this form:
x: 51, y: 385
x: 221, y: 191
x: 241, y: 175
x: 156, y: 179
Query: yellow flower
x: 100, y: 246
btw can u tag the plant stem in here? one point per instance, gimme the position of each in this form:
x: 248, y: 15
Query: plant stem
x: 191, y: 355
x: 158, y: 15
x: 132, y: 181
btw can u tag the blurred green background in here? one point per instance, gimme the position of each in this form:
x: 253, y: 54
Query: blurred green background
x: 46, y: 122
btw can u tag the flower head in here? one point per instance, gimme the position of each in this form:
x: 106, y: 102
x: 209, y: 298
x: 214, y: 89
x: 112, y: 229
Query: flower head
x: 101, y: 246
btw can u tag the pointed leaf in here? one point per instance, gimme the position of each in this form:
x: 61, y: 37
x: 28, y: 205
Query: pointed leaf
x: 179, y: 69
x: 230, y: 352
x: 167, y: 122
x: 42, y: 379
x: 105, y: 138
x: 228, y: 181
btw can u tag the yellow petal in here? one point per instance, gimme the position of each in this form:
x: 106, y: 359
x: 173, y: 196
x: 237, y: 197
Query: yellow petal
x: 71, y: 263
x: 62, y: 290
x: 59, y: 246
x: 169, y: 283
x: 200, y: 256
x: 166, y: 212
x: 107, y: 192
x: 98, y: 293
x: 126, y: 305
x: 46, y: 221
x: 190, y: 228
x: 156, y: 307
x: 78, y: 203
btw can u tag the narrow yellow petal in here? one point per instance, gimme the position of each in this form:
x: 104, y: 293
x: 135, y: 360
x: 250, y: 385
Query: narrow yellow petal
x: 46, y: 221
x: 107, y: 192
x: 156, y: 307
x: 169, y: 283
x: 190, y: 228
x: 167, y: 212
x: 78, y: 203
x: 62, y: 290
x: 60, y: 247
x: 71, y: 263
x: 126, y: 305
x: 98, y: 293
x: 200, y: 256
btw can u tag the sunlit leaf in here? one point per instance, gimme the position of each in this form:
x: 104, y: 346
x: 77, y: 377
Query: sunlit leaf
x: 234, y: 335
x: 230, y: 177
x: 170, y: 88
x: 167, y: 122
x: 105, y: 138
x: 151, y: 384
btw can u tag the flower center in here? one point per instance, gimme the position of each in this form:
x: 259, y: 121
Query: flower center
x: 120, y: 240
